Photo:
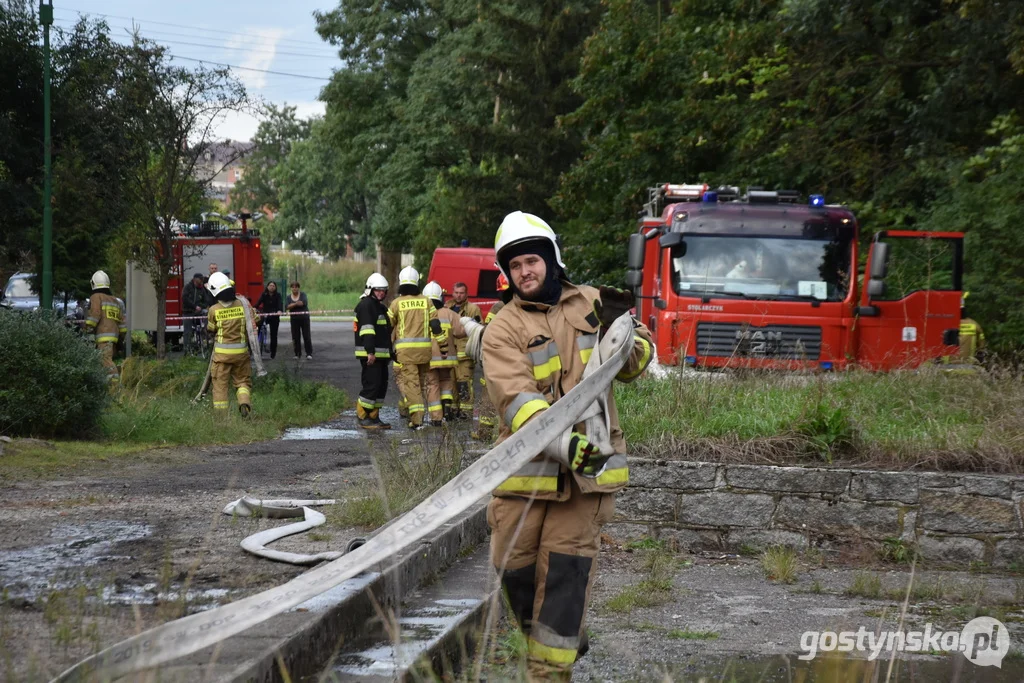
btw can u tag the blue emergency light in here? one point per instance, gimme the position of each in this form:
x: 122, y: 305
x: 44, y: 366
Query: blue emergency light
x: 710, y: 197
x: 817, y: 200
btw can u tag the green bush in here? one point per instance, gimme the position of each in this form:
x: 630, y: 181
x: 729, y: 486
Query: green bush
x: 54, y: 383
x: 328, y: 277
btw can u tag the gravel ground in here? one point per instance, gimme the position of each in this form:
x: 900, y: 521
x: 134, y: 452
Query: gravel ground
x: 751, y: 624
x: 89, y: 559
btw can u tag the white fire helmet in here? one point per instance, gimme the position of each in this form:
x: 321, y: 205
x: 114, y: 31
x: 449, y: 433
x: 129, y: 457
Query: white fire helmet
x: 409, y: 276
x: 99, y: 280
x: 519, y: 227
x: 433, y: 291
x: 376, y: 281
x: 218, y: 283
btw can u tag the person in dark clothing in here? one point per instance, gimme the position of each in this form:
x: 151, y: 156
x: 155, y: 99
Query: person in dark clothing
x: 194, y: 298
x: 373, y: 349
x: 270, y: 302
x: 298, y: 308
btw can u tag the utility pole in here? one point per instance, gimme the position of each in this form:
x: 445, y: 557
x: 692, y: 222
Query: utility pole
x: 46, y: 293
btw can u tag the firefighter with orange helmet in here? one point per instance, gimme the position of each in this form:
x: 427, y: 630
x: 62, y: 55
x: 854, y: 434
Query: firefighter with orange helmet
x: 226, y: 320
x: 105, y: 320
x: 546, y: 518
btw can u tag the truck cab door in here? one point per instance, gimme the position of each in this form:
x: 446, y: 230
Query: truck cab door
x: 910, y: 303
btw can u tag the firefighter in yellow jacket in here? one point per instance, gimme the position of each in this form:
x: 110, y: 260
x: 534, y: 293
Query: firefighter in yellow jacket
x: 444, y: 360
x: 105, y: 320
x: 546, y: 518
x: 414, y: 323
x: 226, y: 321
x: 464, y: 371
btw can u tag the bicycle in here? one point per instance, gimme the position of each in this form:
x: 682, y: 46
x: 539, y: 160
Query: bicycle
x: 199, y: 343
x: 261, y: 335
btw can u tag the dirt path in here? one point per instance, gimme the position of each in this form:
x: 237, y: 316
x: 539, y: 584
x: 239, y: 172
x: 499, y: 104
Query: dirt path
x: 87, y: 559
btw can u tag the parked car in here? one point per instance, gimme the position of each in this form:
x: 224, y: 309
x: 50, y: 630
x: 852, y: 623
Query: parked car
x: 18, y: 295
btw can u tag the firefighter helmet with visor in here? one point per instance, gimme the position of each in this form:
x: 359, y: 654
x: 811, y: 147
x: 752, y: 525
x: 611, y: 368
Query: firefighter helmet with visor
x: 99, y: 280
x: 433, y: 291
x: 521, y: 227
x: 218, y: 283
x: 409, y: 276
x: 376, y: 281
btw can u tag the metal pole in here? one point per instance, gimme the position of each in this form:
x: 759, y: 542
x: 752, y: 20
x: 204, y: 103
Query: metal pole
x: 46, y: 292
x: 128, y: 268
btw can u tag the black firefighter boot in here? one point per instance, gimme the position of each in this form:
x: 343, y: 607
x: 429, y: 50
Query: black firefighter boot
x: 378, y: 423
x: 446, y: 409
x: 363, y: 418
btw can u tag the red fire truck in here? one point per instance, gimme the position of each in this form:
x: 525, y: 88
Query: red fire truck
x: 235, y: 251
x: 764, y: 280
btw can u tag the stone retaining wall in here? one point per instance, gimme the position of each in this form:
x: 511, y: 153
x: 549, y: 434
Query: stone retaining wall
x: 953, y: 519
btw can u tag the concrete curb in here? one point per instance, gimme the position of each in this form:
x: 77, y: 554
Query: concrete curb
x: 301, y: 641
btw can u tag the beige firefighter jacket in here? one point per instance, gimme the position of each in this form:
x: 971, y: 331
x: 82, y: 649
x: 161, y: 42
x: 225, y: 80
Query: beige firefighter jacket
x: 414, y: 323
x: 532, y: 355
x: 105, y: 318
x: 227, y: 322
x: 443, y: 348
x: 466, y: 310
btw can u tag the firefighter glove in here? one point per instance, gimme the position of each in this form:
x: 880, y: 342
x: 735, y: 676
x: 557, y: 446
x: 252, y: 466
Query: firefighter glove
x: 612, y: 304
x: 582, y: 453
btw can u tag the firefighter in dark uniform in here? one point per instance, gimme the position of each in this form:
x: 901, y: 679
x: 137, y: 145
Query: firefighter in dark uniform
x: 373, y: 349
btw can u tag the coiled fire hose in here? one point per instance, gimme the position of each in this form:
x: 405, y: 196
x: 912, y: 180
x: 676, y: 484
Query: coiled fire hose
x: 255, y: 357
x: 190, y: 634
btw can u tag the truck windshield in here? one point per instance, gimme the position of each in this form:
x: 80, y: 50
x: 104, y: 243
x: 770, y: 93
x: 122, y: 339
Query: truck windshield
x: 761, y: 267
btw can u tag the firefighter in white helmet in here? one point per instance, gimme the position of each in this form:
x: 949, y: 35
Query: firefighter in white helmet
x: 444, y: 359
x: 105, y: 320
x: 226, y: 320
x: 546, y: 518
x: 414, y: 324
x: 373, y: 349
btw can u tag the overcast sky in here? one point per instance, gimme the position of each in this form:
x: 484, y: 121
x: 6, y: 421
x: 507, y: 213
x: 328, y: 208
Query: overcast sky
x: 262, y: 35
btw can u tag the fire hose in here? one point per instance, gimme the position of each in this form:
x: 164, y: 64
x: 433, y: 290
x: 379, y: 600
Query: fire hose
x: 190, y: 634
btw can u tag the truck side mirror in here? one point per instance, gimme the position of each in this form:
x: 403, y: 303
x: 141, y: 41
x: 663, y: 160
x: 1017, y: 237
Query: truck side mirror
x: 671, y: 239
x: 635, y: 259
x: 634, y: 278
x: 879, y: 261
x: 876, y: 288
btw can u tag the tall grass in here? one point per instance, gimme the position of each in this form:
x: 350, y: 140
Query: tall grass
x: 325, y: 278
x: 929, y: 417
x: 155, y: 406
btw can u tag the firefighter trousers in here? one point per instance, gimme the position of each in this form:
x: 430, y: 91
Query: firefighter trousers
x: 443, y: 377
x: 375, y: 383
x: 546, y: 553
x: 464, y: 385
x: 106, y: 350
x: 235, y: 369
x: 413, y: 382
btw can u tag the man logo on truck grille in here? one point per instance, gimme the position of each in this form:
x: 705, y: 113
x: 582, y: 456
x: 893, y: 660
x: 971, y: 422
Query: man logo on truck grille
x: 758, y: 342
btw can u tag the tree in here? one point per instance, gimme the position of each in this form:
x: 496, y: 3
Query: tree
x: 169, y: 184
x: 273, y: 141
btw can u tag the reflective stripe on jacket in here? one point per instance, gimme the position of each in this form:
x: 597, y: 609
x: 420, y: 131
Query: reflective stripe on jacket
x: 372, y: 328
x: 227, y: 322
x: 414, y: 323
x: 443, y: 349
x: 532, y: 355
x: 105, y: 318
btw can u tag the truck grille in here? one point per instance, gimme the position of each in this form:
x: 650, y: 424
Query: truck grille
x: 787, y: 342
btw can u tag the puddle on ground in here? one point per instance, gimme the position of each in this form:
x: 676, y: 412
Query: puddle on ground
x: 833, y: 669
x: 319, y: 434
x: 30, y: 572
x: 420, y: 628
